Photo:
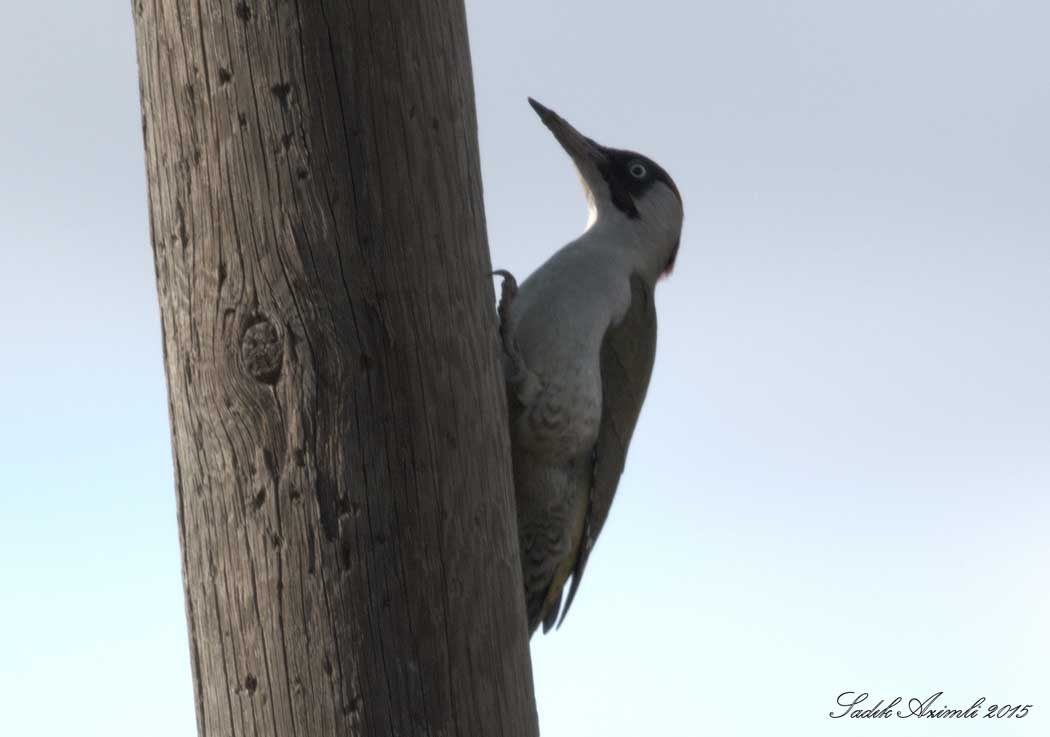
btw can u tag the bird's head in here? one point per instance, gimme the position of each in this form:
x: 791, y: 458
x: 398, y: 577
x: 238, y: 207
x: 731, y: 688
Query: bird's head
x: 624, y: 189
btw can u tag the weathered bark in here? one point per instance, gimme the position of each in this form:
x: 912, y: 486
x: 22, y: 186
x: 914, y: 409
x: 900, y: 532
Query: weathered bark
x: 341, y: 456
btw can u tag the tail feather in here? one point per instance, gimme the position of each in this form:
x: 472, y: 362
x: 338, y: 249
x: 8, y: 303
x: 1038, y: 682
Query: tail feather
x: 552, y: 614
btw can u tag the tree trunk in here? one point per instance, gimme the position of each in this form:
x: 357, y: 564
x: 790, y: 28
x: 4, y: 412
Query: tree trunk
x: 341, y: 454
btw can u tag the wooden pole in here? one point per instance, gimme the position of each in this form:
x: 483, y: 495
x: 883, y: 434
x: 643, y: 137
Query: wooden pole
x: 341, y: 453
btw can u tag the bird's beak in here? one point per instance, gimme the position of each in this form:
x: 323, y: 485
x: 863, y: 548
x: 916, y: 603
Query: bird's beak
x: 583, y: 150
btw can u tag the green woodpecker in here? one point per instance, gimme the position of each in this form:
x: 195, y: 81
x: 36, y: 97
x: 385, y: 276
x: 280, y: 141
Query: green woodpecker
x: 579, y: 339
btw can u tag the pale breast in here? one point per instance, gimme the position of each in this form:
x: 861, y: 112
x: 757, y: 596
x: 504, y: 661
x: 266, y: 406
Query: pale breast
x: 562, y: 420
x: 559, y: 319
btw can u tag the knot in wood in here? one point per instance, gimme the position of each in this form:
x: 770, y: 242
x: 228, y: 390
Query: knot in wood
x: 262, y: 351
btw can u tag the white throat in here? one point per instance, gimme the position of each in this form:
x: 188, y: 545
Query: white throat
x: 642, y: 244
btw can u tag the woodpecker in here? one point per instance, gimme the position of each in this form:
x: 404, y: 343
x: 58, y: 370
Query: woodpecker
x: 579, y: 340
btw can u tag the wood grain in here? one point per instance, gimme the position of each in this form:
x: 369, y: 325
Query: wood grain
x: 339, y: 430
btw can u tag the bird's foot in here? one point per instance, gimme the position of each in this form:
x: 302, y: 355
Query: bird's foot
x: 517, y: 373
x: 508, y: 291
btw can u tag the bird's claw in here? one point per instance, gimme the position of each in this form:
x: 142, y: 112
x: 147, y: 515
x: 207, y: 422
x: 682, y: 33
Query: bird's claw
x: 517, y: 373
x: 508, y: 291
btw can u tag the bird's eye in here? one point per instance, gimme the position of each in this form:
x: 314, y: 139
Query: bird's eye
x: 638, y: 170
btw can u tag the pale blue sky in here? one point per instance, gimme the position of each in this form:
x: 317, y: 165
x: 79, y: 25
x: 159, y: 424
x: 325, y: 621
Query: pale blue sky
x: 840, y: 477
